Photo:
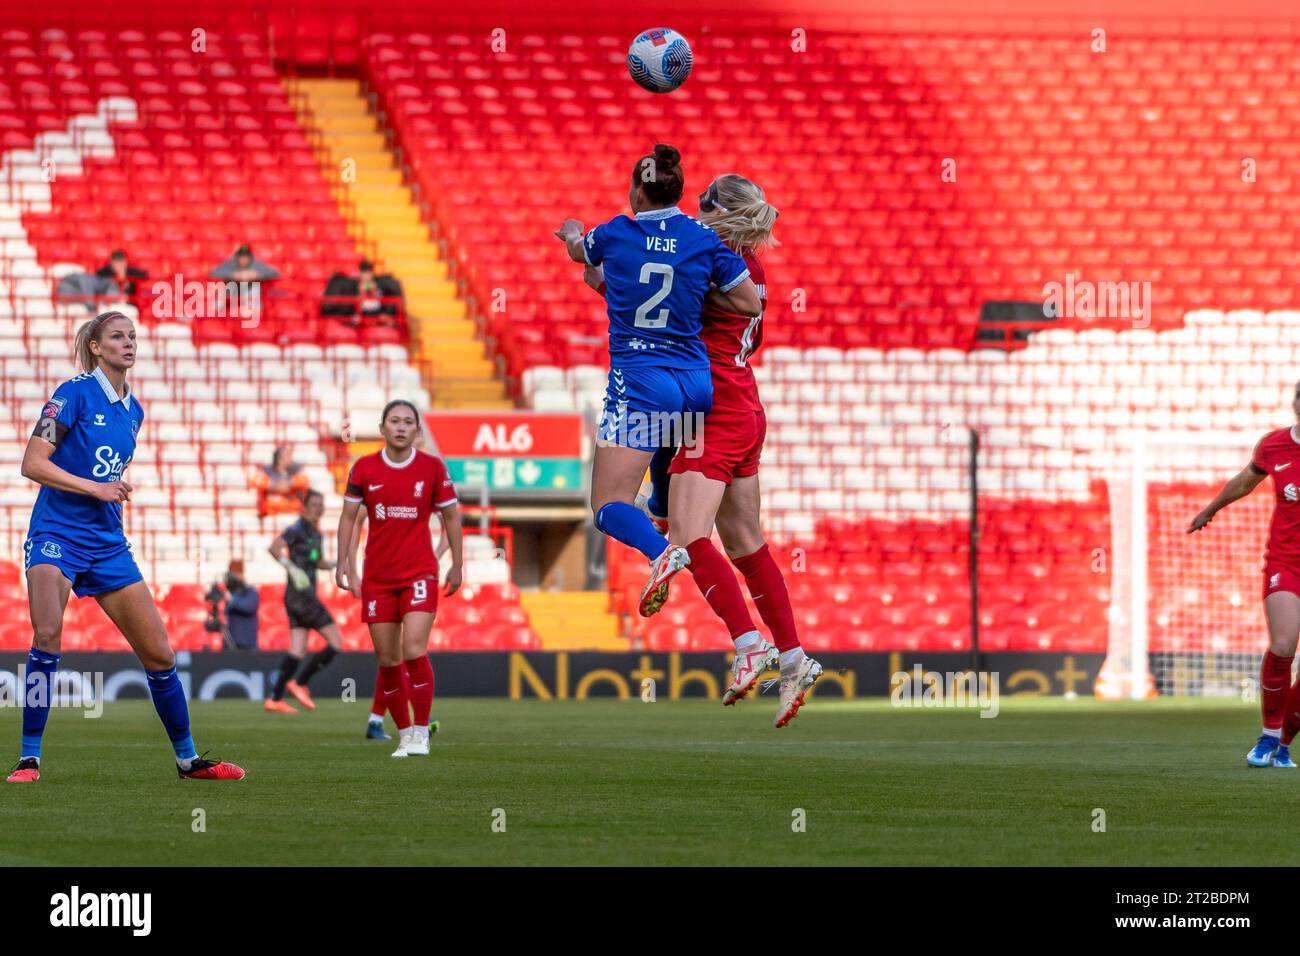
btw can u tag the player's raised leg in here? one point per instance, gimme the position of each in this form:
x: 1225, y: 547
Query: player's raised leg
x: 616, y: 475
x: 133, y: 611
x: 1279, y: 701
x: 742, y: 537
x: 47, y: 591
x: 694, y: 500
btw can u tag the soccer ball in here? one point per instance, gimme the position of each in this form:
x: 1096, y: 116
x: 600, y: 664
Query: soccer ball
x: 659, y: 60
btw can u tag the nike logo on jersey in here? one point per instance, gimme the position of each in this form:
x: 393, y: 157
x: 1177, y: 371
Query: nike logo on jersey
x: 1281, y: 467
x: 373, y: 487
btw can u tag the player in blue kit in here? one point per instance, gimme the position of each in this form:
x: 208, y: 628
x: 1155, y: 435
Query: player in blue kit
x: 659, y: 266
x: 82, y: 444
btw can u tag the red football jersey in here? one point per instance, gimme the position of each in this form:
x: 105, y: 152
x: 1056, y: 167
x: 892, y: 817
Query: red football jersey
x: 399, y: 500
x: 1278, y: 454
x: 730, y: 340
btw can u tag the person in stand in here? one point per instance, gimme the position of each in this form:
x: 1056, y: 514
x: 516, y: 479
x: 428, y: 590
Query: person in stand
x: 281, y: 486
x: 298, y: 550
x: 241, y: 609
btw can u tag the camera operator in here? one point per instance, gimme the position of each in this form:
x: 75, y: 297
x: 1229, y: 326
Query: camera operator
x: 241, y: 609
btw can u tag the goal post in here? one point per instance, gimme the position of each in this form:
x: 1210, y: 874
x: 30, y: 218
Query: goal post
x: 1186, y: 616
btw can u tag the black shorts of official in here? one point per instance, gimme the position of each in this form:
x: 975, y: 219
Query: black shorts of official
x: 308, y: 612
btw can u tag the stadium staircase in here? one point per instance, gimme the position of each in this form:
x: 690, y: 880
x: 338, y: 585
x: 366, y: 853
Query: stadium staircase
x: 444, y: 341
x: 574, y: 620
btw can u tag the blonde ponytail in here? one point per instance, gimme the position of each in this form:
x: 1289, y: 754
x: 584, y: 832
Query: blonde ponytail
x: 742, y: 217
x: 91, y: 331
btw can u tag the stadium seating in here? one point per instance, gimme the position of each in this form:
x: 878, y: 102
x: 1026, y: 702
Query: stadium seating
x: 919, y: 176
x: 1070, y: 162
x: 115, y: 140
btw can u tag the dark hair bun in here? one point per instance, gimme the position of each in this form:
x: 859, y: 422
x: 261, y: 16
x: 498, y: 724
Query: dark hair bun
x: 667, y: 156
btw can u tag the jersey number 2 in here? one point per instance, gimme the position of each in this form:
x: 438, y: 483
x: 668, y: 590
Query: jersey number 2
x: 649, y: 270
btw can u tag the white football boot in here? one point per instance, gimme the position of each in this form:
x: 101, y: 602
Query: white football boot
x: 747, y: 668
x: 404, y: 741
x: 419, y: 746
x: 655, y: 593
x: 796, y: 678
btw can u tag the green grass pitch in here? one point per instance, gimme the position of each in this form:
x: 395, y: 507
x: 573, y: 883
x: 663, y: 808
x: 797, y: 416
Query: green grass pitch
x: 673, y: 782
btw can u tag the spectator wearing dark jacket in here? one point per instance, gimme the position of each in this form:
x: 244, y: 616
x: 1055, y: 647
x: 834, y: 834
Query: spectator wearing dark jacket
x: 121, y: 272
x: 241, y: 609
x: 243, y: 266
x: 366, y: 292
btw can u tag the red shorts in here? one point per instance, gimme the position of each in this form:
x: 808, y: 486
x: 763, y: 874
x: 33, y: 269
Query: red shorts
x: 729, y: 446
x: 388, y: 604
x: 1278, y: 578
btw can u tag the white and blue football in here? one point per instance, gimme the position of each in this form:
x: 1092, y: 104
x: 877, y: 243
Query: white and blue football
x: 659, y: 60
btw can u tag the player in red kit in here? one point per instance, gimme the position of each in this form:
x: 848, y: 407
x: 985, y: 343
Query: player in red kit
x: 401, y: 489
x: 715, y: 478
x: 1276, y: 454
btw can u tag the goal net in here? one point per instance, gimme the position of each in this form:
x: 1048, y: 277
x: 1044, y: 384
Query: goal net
x: 1186, y: 612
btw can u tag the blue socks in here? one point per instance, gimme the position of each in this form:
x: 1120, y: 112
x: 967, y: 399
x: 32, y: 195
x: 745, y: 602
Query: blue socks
x: 164, y: 687
x: 38, y: 691
x: 659, y: 478
x: 169, y: 700
x: 628, y: 523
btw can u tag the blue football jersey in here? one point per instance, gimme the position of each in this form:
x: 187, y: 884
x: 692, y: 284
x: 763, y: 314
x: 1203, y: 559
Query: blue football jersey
x: 94, y: 437
x: 658, y: 269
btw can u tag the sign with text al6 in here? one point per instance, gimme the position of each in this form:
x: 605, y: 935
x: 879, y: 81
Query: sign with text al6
x: 492, y: 434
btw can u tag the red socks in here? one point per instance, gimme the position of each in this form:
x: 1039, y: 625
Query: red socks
x: 767, y: 588
x: 717, y: 582
x: 395, y: 699
x: 378, y: 707
x: 1275, y: 688
x: 1291, y: 720
x: 419, y: 673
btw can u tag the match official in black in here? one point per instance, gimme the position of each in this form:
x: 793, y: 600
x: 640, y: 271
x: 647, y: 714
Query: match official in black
x: 298, y: 549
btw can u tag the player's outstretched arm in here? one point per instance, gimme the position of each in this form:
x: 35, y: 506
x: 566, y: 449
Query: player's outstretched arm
x: 455, y: 539
x: 38, y: 468
x: 1238, y: 486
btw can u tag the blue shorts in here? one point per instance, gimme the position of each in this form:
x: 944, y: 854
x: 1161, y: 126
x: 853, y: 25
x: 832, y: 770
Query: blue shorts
x: 647, y: 408
x: 90, y: 571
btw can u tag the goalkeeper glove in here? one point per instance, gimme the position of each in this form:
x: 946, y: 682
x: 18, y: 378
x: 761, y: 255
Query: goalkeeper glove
x: 297, y: 576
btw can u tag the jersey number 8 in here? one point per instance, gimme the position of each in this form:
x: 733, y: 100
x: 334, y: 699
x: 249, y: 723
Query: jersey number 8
x: 650, y: 269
